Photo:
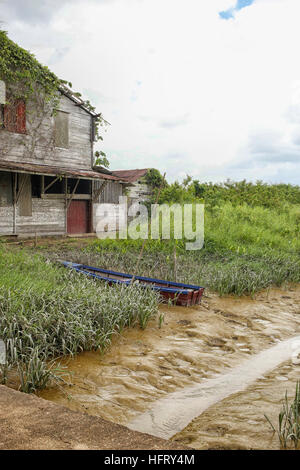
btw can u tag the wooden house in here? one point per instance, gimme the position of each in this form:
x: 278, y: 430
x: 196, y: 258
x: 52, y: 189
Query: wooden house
x: 139, y: 190
x: 48, y: 184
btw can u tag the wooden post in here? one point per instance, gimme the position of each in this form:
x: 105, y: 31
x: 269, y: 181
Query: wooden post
x: 43, y: 185
x: 66, y: 204
x: 175, y: 262
x: 73, y: 193
x: 15, y: 204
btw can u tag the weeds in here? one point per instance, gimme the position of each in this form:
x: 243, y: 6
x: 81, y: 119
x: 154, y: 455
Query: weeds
x: 246, y: 249
x: 222, y: 272
x: 161, y: 320
x: 289, y: 421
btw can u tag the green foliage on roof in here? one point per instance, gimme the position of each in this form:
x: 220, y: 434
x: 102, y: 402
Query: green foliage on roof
x: 21, y: 72
x: 18, y: 66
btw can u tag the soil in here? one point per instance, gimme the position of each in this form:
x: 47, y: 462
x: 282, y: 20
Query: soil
x: 30, y: 423
x: 193, y: 345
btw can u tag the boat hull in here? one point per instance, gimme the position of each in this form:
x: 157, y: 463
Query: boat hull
x: 179, y: 293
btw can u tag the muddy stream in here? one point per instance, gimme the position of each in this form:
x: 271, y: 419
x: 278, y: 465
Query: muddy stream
x: 204, y: 379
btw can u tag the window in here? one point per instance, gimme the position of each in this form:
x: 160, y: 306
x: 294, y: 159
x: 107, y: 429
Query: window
x: 13, y: 116
x: 36, y: 185
x: 83, y: 187
x: 54, y: 185
x: 61, y: 129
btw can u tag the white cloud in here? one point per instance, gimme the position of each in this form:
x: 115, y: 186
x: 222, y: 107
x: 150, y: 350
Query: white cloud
x: 184, y: 90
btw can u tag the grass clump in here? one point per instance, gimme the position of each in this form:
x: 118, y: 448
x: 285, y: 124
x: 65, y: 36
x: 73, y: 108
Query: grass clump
x: 289, y: 421
x: 47, y: 312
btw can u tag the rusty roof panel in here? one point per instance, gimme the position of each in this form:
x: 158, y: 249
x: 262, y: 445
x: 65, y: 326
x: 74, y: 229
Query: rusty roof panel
x: 130, y: 175
x: 34, y: 168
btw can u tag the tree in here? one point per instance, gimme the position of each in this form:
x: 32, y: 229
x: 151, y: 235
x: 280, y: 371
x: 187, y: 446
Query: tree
x: 154, y: 178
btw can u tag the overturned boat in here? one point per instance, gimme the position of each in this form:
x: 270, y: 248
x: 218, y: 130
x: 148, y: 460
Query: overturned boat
x: 178, y: 293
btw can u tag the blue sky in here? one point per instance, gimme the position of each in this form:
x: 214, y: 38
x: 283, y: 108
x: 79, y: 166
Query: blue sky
x: 230, y: 12
x: 184, y: 90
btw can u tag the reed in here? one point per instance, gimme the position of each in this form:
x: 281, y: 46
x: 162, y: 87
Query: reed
x: 224, y: 272
x: 47, y: 312
x: 246, y: 249
x: 288, y: 430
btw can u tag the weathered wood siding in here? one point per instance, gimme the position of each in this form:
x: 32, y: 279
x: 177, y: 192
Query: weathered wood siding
x: 111, y: 192
x: 139, y: 192
x: 41, y: 149
x: 48, y: 216
x: 110, y: 195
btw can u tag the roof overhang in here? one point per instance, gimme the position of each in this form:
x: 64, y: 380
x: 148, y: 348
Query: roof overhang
x: 48, y: 170
x: 130, y: 175
x: 75, y: 97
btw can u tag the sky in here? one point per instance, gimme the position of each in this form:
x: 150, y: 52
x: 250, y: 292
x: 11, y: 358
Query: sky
x: 209, y: 88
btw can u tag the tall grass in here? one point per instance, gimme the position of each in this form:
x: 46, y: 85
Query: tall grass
x: 289, y: 421
x: 246, y: 249
x: 47, y: 312
x: 272, y: 196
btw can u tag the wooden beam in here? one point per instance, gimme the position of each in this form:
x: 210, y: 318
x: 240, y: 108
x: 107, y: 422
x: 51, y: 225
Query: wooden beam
x: 15, y: 203
x: 43, y: 184
x: 52, y: 183
x: 66, y: 203
x: 73, y: 193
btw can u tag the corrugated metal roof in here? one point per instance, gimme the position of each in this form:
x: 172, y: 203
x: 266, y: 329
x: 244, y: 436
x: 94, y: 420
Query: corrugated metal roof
x: 38, y: 169
x: 130, y: 175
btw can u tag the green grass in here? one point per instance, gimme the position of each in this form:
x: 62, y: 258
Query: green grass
x: 47, y: 312
x: 246, y: 249
x: 272, y: 196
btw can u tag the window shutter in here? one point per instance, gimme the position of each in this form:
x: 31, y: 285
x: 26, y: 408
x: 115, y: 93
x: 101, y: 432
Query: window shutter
x: 9, y: 118
x: 14, y: 117
x: 21, y: 117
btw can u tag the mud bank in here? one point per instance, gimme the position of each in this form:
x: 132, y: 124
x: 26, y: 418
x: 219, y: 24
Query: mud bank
x: 28, y: 422
x: 193, y: 345
x: 238, y: 422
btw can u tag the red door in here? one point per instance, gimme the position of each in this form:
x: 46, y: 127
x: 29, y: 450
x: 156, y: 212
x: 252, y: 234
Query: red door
x: 78, y: 217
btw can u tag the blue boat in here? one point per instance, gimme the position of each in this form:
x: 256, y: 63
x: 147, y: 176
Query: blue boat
x: 179, y: 293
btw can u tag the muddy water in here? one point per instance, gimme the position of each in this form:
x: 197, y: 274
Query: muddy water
x: 172, y: 413
x: 202, y: 355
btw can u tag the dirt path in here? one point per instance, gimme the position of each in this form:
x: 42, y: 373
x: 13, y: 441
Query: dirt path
x: 194, y: 344
x: 28, y: 422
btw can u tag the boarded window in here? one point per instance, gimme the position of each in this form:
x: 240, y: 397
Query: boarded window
x: 14, y: 116
x: 61, y: 129
x: 25, y: 198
